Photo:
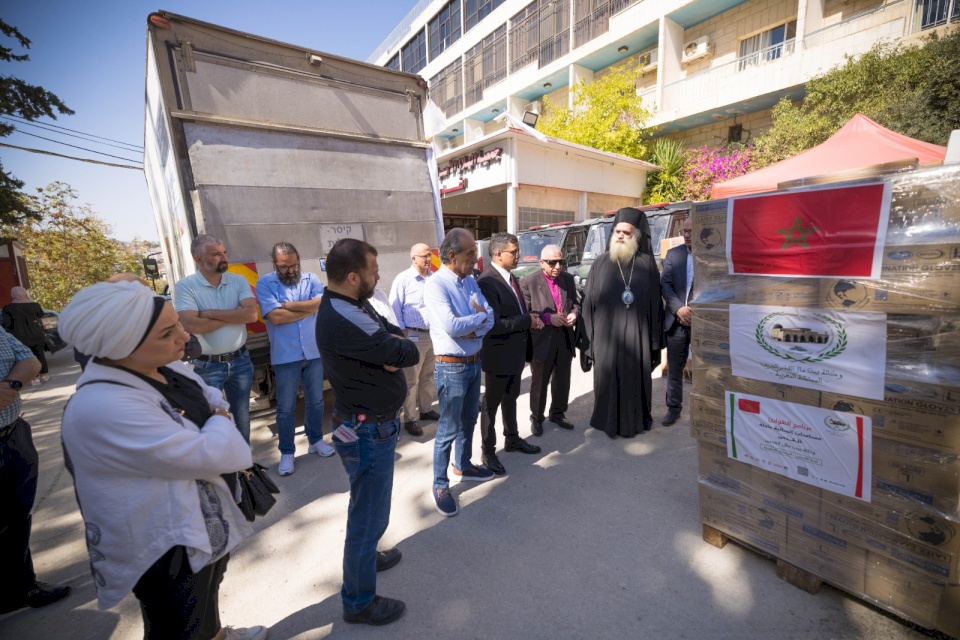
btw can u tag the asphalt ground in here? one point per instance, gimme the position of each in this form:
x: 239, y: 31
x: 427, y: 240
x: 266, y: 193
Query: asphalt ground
x: 592, y: 538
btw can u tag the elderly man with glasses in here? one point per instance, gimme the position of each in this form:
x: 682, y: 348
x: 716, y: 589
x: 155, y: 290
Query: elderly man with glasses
x: 289, y: 300
x: 553, y: 295
x: 406, y: 297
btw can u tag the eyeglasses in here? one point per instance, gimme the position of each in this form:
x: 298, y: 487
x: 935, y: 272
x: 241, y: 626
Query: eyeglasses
x: 686, y: 232
x: 513, y: 253
x: 287, y: 269
x: 554, y: 263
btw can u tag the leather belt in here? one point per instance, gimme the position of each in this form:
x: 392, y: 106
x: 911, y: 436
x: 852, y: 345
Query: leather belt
x: 419, y: 329
x: 223, y: 357
x: 370, y: 418
x: 459, y: 359
x: 7, y: 430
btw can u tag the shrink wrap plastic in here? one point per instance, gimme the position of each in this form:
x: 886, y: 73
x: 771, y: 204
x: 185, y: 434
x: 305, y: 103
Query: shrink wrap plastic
x: 901, y: 548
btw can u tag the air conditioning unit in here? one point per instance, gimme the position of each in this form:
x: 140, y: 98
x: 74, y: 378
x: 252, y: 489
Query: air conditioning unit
x: 648, y: 59
x: 535, y: 107
x: 695, y: 49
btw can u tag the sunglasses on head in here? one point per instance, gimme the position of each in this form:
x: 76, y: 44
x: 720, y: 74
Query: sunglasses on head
x: 554, y: 263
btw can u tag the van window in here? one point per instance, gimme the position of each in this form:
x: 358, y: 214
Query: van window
x: 532, y: 243
x: 596, y: 241
x: 573, y: 245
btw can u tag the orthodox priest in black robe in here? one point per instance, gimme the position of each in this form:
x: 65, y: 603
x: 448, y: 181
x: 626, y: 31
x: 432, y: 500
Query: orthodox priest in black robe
x: 622, y: 318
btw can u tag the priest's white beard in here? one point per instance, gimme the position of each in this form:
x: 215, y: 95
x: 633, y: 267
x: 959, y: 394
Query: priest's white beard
x: 625, y: 251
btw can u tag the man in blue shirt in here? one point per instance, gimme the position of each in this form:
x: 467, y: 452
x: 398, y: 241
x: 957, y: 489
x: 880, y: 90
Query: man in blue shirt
x: 406, y: 298
x: 216, y: 306
x: 289, y: 300
x: 19, y: 465
x: 459, y: 318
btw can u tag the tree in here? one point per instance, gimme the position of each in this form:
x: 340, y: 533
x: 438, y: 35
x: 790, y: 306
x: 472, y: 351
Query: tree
x: 667, y: 184
x: 68, y: 248
x: 909, y: 89
x: 607, y: 114
x: 28, y: 102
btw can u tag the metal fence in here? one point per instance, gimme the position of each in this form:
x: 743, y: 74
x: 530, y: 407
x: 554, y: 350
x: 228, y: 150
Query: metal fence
x: 592, y: 18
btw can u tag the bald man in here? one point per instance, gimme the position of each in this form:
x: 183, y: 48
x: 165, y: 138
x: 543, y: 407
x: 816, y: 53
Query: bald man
x: 406, y: 298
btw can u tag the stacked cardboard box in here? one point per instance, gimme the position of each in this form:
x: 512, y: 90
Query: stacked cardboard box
x: 901, y: 549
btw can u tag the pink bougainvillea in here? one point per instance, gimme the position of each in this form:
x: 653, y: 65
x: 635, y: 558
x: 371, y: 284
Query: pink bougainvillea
x: 706, y: 166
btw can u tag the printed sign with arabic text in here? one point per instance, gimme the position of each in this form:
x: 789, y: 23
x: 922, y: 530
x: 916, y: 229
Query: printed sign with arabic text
x: 821, y: 349
x: 820, y: 447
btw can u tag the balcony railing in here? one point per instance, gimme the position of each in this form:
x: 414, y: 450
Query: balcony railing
x: 870, y: 19
x: 929, y: 14
x: 767, y: 54
x: 597, y: 22
x: 524, y: 42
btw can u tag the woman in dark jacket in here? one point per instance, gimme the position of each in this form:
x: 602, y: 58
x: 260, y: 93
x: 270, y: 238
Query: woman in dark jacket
x: 22, y: 319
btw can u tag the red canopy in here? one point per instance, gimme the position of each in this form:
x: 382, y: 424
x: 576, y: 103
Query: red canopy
x: 860, y: 143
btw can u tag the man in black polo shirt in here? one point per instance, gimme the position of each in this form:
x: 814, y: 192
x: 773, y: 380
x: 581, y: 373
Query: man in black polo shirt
x: 363, y: 357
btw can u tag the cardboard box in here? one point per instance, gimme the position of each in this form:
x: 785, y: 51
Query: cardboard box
x: 800, y: 502
x: 713, y: 286
x: 827, y: 556
x: 934, y: 562
x: 897, y: 587
x: 895, y: 294
x: 669, y: 243
x: 948, y: 619
x: 710, y: 331
x: 919, y: 414
x: 720, y: 470
x: 709, y: 231
x: 742, y: 519
x: 714, y: 381
x: 918, y: 475
x: 708, y: 420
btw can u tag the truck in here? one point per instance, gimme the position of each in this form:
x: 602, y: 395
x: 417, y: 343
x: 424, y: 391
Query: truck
x: 256, y: 141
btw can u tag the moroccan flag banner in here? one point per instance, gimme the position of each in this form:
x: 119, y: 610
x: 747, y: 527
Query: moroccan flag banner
x: 820, y: 447
x: 821, y: 232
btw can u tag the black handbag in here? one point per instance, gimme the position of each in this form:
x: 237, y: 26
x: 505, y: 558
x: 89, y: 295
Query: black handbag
x: 256, y: 492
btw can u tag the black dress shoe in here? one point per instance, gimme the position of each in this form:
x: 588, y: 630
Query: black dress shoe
x: 380, y: 611
x: 413, y: 428
x: 40, y: 595
x: 388, y: 558
x: 537, y: 428
x: 430, y: 415
x: 562, y: 423
x: 671, y: 417
x: 521, y: 445
x: 492, y: 462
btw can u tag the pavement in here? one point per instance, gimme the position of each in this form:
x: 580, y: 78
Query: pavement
x: 592, y: 538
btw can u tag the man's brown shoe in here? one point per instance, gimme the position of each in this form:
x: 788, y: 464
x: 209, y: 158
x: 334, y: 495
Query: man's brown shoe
x: 413, y: 428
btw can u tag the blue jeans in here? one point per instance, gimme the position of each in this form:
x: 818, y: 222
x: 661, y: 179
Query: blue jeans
x: 289, y: 376
x: 234, y: 378
x: 369, y: 464
x: 458, y: 389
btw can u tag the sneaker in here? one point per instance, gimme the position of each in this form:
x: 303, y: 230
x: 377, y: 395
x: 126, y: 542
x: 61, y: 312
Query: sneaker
x: 473, y: 473
x: 245, y: 633
x: 286, y: 464
x: 446, y: 503
x: 35, y: 382
x: 44, y: 377
x: 322, y: 449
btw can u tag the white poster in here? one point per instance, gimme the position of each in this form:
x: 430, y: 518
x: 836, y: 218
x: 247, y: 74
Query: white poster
x: 820, y: 447
x: 836, y: 351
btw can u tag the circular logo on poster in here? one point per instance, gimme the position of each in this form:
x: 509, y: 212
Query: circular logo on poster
x: 847, y: 295
x: 709, y: 239
x: 803, y: 337
x: 929, y: 254
x: 930, y: 529
x: 836, y: 423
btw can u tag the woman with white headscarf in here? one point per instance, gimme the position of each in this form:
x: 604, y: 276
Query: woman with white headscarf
x: 22, y: 318
x: 146, y: 441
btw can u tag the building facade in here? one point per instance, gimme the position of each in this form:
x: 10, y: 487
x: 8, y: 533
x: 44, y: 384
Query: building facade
x: 710, y: 69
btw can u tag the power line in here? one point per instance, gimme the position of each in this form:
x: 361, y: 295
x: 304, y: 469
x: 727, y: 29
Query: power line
x: 60, y: 155
x: 76, y: 147
x: 86, y: 139
x: 74, y: 131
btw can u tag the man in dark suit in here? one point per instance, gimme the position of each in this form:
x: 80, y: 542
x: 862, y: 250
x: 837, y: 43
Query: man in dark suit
x: 552, y: 294
x: 676, y: 281
x: 505, y: 350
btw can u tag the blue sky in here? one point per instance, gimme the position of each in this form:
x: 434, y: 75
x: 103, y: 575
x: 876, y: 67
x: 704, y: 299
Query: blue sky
x: 92, y: 55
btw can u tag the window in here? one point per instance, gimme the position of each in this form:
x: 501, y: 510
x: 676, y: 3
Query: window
x: 525, y: 36
x: 485, y: 65
x: 446, y: 89
x: 394, y: 62
x: 477, y: 10
x: 767, y: 45
x: 444, y: 29
x: 936, y: 13
x: 541, y: 32
x: 554, y: 31
x: 414, y: 53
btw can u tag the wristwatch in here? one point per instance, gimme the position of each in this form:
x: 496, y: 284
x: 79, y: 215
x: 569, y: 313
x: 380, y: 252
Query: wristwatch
x: 16, y: 385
